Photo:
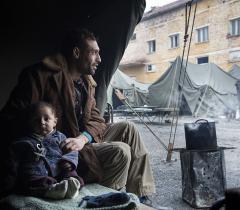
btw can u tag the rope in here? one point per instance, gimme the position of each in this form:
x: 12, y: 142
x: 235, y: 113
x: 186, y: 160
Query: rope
x: 178, y: 104
x: 179, y: 100
x: 124, y: 100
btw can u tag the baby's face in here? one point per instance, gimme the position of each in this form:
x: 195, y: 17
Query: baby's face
x: 44, y: 121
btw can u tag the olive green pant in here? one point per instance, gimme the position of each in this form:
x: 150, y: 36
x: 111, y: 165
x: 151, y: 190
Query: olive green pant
x: 124, y: 160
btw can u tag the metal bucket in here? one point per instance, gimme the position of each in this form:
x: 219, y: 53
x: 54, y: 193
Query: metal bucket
x: 203, y: 177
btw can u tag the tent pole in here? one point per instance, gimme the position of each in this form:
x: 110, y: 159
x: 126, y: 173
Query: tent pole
x: 170, y: 150
x: 205, y: 91
x: 179, y: 101
x: 124, y: 100
x: 173, y: 85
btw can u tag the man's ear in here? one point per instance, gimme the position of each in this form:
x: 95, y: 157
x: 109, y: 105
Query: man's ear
x: 76, y: 52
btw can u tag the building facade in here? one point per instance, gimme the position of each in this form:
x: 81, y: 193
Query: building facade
x: 159, y: 38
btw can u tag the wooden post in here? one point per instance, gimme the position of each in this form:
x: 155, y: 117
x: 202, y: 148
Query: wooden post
x: 169, y: 154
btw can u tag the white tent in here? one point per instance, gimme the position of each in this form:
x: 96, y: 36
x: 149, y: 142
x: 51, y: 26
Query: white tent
x: 136, y: 92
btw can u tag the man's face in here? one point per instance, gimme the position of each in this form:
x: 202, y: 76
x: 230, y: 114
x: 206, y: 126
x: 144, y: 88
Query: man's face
x: 44, y: 121
x: 90, y: 57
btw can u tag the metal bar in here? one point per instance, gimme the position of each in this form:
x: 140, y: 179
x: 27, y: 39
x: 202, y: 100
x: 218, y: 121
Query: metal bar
x: 123, y: 99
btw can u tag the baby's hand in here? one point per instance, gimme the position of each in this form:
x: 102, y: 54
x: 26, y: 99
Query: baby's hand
x: 65, y: 165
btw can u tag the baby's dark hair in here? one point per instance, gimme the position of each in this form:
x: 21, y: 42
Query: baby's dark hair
x: 35, y: 107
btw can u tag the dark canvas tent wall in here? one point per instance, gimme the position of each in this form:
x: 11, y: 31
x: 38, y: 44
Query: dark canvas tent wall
x: 136, y: 92
x: 235, y: 71
x: 31, y: 30
x: 207, y: 89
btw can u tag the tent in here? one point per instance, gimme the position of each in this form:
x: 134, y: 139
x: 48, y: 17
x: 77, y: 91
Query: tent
x: 135, y: 92
x: 235, y: 71
x: 31, y: 30
x: 206, y: 90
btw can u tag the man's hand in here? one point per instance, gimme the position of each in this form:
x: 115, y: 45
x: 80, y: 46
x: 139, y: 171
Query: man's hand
x: 74, y: 144
x: 120, y: 96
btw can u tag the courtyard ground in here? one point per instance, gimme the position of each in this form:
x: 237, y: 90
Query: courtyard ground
x: 167, y: 175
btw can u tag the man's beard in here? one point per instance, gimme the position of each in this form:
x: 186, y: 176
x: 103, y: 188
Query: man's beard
x: 91, y: 71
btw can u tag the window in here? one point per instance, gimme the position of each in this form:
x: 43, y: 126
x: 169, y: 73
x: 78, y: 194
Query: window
x: 202, y: 60
x: 234, y: 56
x: 134, y: 36
x: 151, y: 68
x: 235, y: 27
x: 202, y: 34
x: 151, y: 46
x: 174, y: 39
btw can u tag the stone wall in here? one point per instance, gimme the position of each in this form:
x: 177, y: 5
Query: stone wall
x: 221, y: 49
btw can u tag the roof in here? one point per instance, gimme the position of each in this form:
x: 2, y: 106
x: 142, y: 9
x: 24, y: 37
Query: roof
x: 134, y: 63
x: 157, y: 11
x: 122, y: 81
x: 235, y: 71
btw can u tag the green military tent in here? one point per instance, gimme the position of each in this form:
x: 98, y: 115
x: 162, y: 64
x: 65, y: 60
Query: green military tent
x: 206, y: 90
x: 235, y: 71
x: 135, y: 92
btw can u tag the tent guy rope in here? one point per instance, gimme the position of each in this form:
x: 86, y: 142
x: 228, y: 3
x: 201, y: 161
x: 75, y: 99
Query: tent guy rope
x: 124, y: 100
x: 174, y: 122
x: 179, y: 100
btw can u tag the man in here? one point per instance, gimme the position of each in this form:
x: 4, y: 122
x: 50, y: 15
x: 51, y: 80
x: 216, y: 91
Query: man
x: 113, y: 155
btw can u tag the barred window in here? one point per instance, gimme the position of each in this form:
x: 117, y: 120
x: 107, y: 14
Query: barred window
x: 202, y: 34
x: 151, y: 46
x: 151, y: 68
x: 235, y: 26
x: 202, y: 60
x: 174, y: 40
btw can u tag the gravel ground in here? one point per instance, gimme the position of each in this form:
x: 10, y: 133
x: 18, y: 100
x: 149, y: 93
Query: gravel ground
x: 168, y: 174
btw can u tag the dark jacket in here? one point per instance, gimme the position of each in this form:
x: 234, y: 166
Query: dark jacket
x: 42, y: 156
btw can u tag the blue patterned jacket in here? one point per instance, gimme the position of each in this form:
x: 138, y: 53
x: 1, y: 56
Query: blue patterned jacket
x: 41, y: 156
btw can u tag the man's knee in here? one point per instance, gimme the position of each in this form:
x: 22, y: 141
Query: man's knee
x: 127, y: 124
x: 129, y: 128
x: 122, y: 152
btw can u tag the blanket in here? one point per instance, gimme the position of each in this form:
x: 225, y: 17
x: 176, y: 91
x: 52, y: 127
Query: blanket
x: 13, y: 201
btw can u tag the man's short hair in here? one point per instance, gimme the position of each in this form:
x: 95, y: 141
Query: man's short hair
x: 76, y: 38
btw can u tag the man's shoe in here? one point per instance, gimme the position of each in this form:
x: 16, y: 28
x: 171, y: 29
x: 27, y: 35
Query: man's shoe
x: 147, y: 201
